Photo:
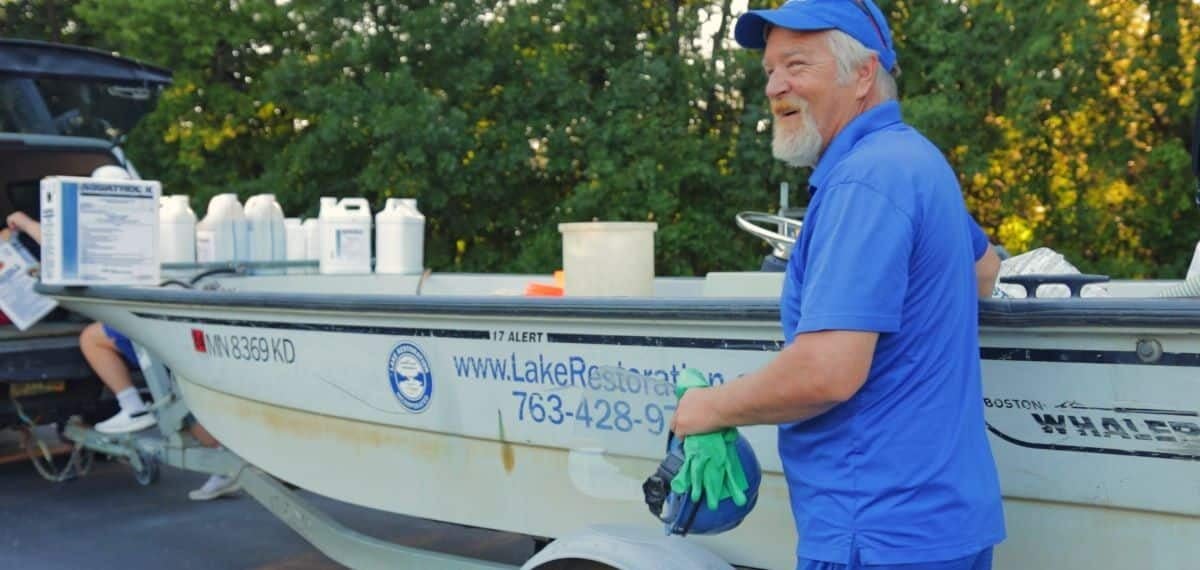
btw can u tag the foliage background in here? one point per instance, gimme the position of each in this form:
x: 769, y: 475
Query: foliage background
x: 1068, y: 121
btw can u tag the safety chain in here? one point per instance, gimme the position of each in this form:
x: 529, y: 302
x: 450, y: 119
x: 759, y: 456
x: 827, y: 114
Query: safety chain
x: 78, y: 464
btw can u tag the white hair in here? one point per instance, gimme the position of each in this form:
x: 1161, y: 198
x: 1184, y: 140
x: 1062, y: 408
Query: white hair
x: 798, y: 147
x: 850, y: 54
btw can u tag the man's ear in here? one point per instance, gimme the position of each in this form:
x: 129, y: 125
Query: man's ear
x: 864, y: 80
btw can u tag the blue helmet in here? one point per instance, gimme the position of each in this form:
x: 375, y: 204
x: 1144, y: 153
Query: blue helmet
x: 683, y: 516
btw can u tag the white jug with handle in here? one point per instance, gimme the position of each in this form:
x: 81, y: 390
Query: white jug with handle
x: 400, y: 238
x: 346, y: 237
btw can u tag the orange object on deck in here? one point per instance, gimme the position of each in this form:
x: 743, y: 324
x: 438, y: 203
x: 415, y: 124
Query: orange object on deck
x: 543, y: 290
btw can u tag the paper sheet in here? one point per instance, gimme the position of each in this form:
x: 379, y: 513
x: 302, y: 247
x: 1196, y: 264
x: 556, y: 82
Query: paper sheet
x: 23, y: 306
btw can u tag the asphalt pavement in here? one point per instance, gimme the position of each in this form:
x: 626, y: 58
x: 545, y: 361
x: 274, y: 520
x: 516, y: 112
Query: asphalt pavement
x: 107, y: 520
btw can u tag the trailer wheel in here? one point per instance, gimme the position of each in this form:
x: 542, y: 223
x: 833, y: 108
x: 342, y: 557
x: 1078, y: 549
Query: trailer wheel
x: 622, y: 547
x: 575, y: 564
x: 149, y: 472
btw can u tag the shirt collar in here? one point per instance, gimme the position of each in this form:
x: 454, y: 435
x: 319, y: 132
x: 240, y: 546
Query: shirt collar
x: 874, y: 119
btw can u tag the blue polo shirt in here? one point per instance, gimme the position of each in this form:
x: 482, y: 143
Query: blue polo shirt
x: 902, y: 472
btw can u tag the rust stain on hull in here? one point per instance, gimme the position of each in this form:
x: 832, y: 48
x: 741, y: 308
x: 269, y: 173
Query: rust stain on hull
x: 508, y: 456
x: 364, y: 437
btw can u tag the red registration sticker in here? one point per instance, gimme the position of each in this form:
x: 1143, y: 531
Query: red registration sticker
x: 198, y: 340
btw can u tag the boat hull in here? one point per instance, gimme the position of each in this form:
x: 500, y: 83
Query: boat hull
x: 514, y: 433
x: 505, y: 419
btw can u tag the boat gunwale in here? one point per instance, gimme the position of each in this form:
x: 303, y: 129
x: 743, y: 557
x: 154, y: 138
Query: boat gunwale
x: 689, y: 308
x: 1177, y: 313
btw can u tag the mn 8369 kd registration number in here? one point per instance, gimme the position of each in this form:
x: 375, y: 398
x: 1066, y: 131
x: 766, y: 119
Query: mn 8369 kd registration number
x: 251, y: 348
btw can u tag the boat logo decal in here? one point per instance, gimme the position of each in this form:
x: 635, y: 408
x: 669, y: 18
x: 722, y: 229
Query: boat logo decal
x: 1089, y: 428
x: 410, y: 376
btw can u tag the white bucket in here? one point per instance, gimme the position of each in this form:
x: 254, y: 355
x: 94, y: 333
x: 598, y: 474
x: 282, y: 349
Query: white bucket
x: 608, y: 259
x: 399, y: 237
x: 346, y: 237
x: 176, y: 230
x: 265, y: 235
x: 221, y: 235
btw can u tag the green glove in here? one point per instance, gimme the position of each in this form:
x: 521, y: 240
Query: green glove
x: 711, y: 465
x: 737, y: 473
x: 690, y: 378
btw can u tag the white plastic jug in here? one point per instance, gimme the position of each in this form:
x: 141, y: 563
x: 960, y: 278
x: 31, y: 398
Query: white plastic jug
x: 312, y: 227
x: 312, y: 238
x: 296, y: 244
x: 221, y: 235
x: 399, y: 237
x: 346, y: 236
x: 176, y: 230
x: 1194, y: 269
x: 266, y: 236
x: 297, y: 249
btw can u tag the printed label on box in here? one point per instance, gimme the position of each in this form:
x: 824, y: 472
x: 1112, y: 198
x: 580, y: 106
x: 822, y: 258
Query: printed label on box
x: 100, y: 231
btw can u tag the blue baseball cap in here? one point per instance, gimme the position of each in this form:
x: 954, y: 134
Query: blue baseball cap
x: 860, y: 19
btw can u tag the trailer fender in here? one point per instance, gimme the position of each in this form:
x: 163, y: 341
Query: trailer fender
x: 627, y: 548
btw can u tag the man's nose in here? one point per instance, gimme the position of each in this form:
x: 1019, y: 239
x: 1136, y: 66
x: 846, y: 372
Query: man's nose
x: 776, y: 86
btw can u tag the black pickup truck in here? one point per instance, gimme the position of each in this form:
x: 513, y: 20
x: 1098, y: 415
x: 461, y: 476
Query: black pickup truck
x: 63, y: 111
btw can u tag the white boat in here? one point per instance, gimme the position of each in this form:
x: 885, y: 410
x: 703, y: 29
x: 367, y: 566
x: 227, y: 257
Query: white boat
x: 453, y: 397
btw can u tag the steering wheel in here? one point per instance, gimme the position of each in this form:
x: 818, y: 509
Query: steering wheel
x: 781, y: 243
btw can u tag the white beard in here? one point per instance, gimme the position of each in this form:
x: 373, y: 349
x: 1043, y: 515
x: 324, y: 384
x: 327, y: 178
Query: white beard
x: 799, y: 147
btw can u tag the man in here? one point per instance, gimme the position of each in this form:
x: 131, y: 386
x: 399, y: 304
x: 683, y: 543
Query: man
x: 877, y: 393
x: 110, y: 353
x: 106, y: 350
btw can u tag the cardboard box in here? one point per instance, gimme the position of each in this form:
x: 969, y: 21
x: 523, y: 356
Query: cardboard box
x: 100, y: 232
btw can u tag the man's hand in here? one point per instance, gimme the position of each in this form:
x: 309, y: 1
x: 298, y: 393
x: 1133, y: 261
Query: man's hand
x: 20, y: 222
x: 696, y: 412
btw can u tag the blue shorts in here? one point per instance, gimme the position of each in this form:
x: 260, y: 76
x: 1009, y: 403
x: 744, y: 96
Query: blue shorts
x: 123, y: 344
x: 978, y: 561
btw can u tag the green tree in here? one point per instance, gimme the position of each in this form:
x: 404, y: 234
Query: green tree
x: 46, y: 20
x: 527, y: 115
x: 1066, y: 120
x: 213, y: 131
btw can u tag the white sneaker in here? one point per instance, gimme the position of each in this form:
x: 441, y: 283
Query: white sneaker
x: 125, y: 422
x: 216, y: 486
